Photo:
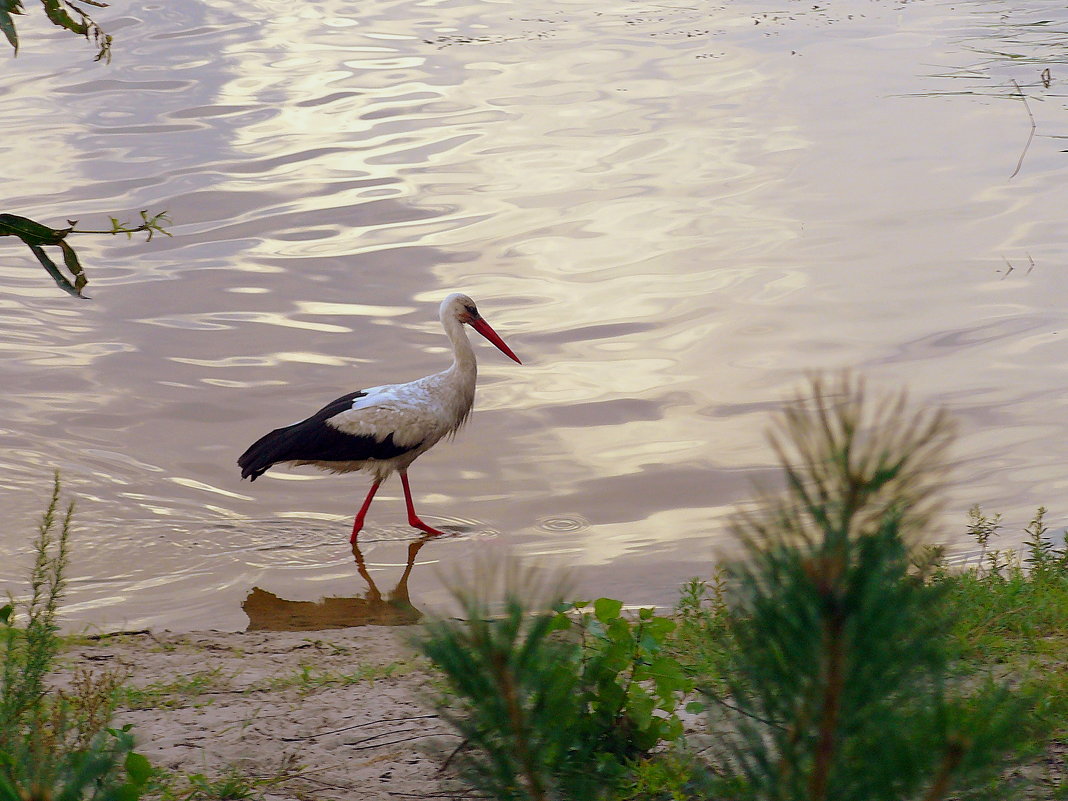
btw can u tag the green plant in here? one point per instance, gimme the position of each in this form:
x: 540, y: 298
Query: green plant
x: 61, y: 13
x: 1015, y: 623
x: 553, y: 700
x: 1015, y: 605
x: 307, y: 678
x: 1044, y: 558
x: 232, y: 784
x: 36, y: 236
x: 982, y: 528
x: 229, y: 787
x: 628, y: 685
x: 839, y: 685
x: 178, y: 692
x: 514, y: 687
x: 701, y: 642
x: 28, y: 653
x: 56, y: 743
x: 674, y: 775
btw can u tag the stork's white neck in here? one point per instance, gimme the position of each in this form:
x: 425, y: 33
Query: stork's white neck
x: 459, y: 379
x: 463, y: 355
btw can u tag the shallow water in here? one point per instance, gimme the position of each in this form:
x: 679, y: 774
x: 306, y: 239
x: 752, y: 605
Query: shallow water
x: 670, y: 212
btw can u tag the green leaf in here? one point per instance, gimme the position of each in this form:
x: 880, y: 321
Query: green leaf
x: 35, y: 236
x: 5, y: 613
x: 668, y: 676
x: 640, y: 706
x: 125, y: 792
x: 658, y: 628
x: 695, y: 707
x: 646, y: 613
x: 560, y: 622
x: 70, y: 258
x: 53, y: 270
x: 138, y: 768
x: 615, y: 657
x: 7, y: 25
x: 606, y: 609
x: 671, y: 729
x: 59, y: 16
x: 29, y: 231
x: 609, y: 696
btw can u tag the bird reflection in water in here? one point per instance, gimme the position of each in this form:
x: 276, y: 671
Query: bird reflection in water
x: 267, y: 612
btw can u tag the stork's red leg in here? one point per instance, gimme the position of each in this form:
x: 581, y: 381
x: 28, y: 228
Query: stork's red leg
x: 413, y: 518
x: 357, y: 524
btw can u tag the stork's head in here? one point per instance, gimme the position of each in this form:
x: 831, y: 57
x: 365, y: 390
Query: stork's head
x: 460, y: 307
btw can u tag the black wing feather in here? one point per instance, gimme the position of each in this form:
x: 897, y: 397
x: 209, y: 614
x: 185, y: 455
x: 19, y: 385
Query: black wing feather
x: 314, y: 440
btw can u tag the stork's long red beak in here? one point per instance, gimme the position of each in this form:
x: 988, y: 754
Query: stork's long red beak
x: 483, y: 328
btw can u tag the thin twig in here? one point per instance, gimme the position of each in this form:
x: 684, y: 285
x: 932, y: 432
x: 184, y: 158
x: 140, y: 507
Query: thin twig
x: 325, y: 783
x: 457, y: 750
x: 380, y: 735
x: 395, y: 742
x: 1031, y: 136
x: 108, y: 634
x: 356, y: 726
x: 708, y: 692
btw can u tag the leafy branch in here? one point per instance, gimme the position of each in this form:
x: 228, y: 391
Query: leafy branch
x: 151, y: 225
x: 36, y: 236
x: 65, y: 14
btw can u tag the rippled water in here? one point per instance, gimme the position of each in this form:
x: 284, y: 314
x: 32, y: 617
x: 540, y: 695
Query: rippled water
x: 669, y: 211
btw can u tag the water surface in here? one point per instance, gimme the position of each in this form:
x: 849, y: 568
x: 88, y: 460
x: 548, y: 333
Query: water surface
x: 671, y: 212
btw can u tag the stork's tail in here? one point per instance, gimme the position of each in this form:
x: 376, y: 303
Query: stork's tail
x: 263, y: 453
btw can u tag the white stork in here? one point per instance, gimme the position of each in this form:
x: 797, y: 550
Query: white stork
x: 384, y: 429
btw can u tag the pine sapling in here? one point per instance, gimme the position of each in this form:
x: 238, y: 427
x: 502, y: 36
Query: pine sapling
x: 838, y: 686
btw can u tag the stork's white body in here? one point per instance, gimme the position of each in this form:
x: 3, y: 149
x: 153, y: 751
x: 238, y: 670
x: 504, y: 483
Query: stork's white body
x: 384, y: 429
x: 418, y: 414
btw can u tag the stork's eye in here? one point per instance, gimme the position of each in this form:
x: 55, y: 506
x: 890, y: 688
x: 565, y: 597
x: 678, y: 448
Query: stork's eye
x: 471, y: 310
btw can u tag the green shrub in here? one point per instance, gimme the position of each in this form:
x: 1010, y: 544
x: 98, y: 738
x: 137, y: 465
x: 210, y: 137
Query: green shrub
x: 839, y: 681
x: 56, y: 744
x: 702, y: 643
x: 1010, y: 606
x: 629, y: 687
x: 552, y: 699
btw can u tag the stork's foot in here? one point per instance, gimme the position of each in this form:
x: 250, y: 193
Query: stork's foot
x: 415, y: 522
x: 357, y: 524
x: 413, y: 518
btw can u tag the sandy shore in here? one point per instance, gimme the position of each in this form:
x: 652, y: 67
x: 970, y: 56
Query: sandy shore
x: 338, y: 714
x: 335, y: 714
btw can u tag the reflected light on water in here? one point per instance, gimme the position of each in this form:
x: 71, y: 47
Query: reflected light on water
x: 665, y: 212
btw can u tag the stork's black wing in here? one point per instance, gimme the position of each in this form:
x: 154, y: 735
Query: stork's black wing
x: 314, y: 440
